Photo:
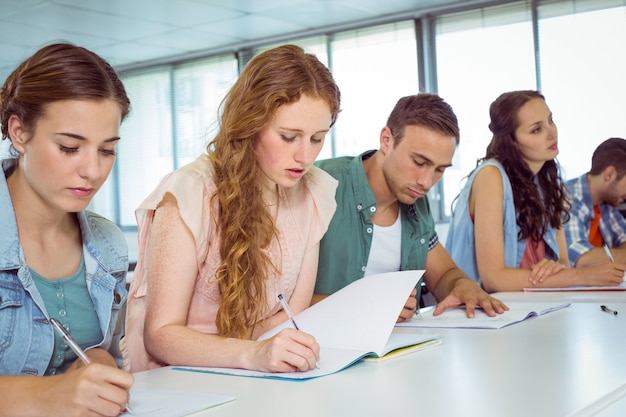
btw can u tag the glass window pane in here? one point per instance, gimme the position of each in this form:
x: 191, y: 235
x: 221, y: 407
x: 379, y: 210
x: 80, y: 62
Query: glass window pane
x: 480, y: 54
x: 199, y: 88
x: 145, y: 151
x: 583, y: 57
x: 373, y: 67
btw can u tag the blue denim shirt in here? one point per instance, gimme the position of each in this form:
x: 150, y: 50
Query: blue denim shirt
x: 26, y: 337
x: 461, y: 244
x: 345, y: 248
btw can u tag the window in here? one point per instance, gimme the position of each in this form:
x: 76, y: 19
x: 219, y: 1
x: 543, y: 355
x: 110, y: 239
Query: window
x: 373, y: 67
x: 199, y: 88
x: 583, y: 57
x: 573, y: 53
x: 173, y: 116
x: 480, y: 54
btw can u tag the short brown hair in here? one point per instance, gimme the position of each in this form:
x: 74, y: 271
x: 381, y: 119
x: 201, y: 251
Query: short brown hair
x: 428, y: 110
x: 611, y: 152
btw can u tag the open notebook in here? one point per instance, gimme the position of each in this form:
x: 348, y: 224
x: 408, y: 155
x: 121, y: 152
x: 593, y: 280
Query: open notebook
x: 457, y: 317
x: 158, y: 403
x: 355, y: 322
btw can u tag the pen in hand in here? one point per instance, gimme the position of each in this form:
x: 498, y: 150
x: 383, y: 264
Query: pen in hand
x: 290, y: 315
x: 608, y: 253
x: 67, y: 337
x: 287, y: 310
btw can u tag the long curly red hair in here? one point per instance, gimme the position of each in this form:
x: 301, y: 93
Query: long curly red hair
x: 271, y: 79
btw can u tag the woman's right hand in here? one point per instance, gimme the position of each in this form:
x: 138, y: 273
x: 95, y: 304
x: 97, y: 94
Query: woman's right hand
x: 93, y: 390
x: 290, y: 350
x: 543, y: 269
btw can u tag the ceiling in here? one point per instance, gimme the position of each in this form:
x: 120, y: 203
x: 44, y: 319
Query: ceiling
x: 137, y: 32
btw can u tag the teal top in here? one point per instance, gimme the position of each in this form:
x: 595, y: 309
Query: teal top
x: 345, y: 248
x: 64, y: 299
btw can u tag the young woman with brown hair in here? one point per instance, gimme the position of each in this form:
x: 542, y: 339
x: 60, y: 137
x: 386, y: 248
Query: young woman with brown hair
x: 61, y: 109
x: 507, y: 227
x: 220, y: 238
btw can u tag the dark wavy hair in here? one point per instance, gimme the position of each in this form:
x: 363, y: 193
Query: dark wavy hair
x: 537, y: 206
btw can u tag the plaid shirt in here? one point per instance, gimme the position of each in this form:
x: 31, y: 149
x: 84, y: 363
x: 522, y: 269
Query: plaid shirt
x: 612, y: 224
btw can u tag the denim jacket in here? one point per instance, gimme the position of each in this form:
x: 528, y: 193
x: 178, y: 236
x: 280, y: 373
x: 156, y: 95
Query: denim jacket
x: 26, y: 337
x: 461, y: 244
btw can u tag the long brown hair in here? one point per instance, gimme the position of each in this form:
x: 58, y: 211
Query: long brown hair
x: 537, y: 206
x: 59, y: 71
x: 271, y: 79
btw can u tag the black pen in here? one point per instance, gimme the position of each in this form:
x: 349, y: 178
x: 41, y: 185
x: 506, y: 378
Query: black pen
x: 608, y: 310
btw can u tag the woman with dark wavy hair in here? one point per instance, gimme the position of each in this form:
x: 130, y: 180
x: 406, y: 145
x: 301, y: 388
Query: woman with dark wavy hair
x: 507, y: 228
x: 222, y: 237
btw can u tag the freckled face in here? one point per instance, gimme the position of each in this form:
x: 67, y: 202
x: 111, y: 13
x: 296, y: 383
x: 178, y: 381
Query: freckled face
x: 536, y: 135
x: 69, y: 153
x: 293, y: 138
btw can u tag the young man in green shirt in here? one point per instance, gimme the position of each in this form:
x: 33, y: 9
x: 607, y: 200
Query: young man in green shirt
x: 383, y: 221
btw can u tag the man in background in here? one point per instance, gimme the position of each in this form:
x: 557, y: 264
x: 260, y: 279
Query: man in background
x: 595, y: 220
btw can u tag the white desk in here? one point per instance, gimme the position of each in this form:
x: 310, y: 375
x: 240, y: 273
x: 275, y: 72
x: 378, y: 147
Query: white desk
x: 555, y: 365
x: 603, y: 297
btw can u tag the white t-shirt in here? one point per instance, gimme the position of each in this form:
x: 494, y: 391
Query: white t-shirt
x: 385, y: 253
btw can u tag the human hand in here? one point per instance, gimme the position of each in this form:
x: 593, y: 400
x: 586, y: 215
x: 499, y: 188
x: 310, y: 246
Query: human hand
x: 93, y: 390
x: 468, y: 292
x: 409, y: 308
x: 95, y: 355
x: 290, y: 350
x: 608, y: 274
x: 543, y: 270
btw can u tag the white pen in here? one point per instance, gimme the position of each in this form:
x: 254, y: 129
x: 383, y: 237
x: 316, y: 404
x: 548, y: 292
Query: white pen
x: 287, y: 310
x: 608, y: 253
x: 67, y: 337
x: 70, y: 341
x: 290, y: 315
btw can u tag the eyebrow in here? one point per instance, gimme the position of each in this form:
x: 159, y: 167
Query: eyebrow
x: 430, y: 161
x: 540, y: 122
x: 80, y: 137
x: 301, y: 131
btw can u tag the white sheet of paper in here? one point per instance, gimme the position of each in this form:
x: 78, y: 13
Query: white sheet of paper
x: 360, y: 316
x: 351, y: 323
x: 457, y: 317
x: 159, y: 403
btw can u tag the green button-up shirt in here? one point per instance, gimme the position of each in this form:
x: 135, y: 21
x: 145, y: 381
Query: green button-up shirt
x: 345, y: 248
